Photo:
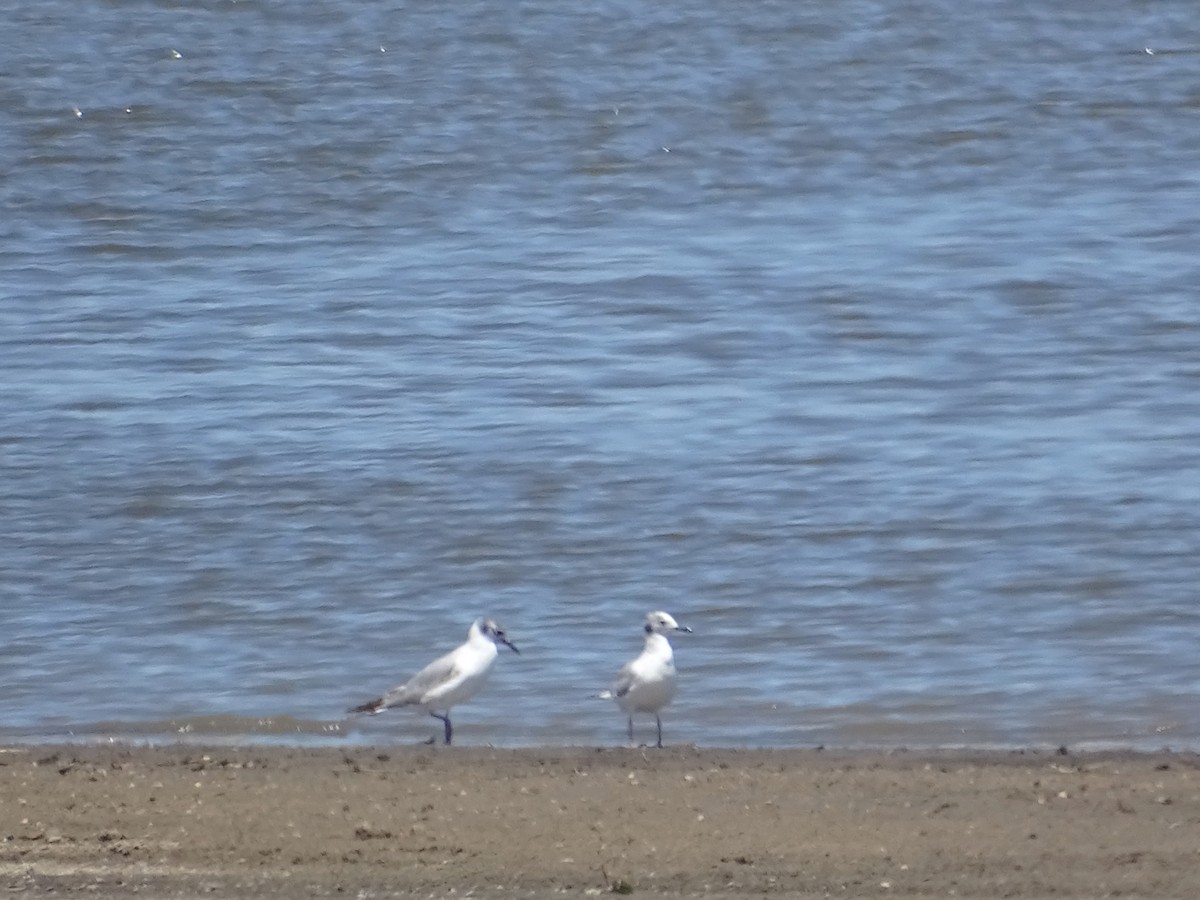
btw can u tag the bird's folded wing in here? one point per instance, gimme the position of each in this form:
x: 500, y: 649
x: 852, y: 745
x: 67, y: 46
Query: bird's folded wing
x: 625, y: 680
x: 435, y: 675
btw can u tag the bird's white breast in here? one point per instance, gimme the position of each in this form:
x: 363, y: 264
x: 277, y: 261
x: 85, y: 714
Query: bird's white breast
x: 653, y: 681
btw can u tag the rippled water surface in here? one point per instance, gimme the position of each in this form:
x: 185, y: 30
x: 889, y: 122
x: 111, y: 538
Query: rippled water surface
x: 864, y: 337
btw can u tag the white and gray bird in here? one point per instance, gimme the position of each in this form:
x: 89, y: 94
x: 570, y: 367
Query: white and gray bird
x: 647, y: 684
x: 449, y: 680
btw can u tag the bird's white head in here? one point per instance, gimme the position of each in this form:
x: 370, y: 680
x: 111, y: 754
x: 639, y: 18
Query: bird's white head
x: 663, y: 623
x: 494, y: 633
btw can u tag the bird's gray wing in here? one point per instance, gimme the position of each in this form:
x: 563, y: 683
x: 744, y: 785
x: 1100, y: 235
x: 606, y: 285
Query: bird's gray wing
x: 414, y: 690
x: 624, y: 682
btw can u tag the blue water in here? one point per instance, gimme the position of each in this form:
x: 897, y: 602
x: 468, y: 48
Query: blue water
x: 862, y: 337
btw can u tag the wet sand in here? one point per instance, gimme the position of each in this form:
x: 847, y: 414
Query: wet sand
x: 183, y: 821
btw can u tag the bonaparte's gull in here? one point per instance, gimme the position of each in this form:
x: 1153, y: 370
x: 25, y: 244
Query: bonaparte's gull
x: 647, y: 684
x: 449, y: 680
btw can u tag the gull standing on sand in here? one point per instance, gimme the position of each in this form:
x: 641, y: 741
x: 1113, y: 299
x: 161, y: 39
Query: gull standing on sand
x: 647, y: 684
x: 449, y: 680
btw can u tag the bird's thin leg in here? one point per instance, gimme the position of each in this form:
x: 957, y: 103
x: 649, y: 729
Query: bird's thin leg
x: 658, y: 722
x: 631, y: 731
x: 446, y: 720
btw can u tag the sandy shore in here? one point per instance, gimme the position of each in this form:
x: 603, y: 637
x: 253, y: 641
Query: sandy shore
x: 256, y: 822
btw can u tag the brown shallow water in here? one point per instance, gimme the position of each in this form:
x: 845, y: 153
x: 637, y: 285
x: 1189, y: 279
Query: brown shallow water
x: 267, y: 821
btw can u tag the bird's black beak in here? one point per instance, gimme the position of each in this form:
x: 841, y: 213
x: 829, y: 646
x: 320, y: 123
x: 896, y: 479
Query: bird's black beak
x: 683, y: 628
x: 511, y: 646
